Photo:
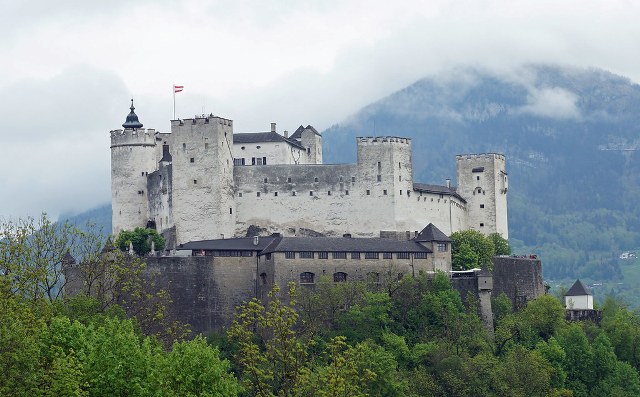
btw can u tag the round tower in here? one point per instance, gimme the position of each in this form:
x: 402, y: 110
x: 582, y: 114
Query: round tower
x: 133, y: 157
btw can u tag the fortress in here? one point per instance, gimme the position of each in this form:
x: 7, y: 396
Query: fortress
x: 244, y: 212
x: 201, y: 181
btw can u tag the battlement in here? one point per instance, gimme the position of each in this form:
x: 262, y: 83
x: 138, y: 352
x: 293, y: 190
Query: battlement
x: 383, y: 139
x: 481, y: 156
x: 200, y: 120
x: 133, y: 137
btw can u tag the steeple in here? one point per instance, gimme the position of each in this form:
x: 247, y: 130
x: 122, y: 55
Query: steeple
x: 132, y: 119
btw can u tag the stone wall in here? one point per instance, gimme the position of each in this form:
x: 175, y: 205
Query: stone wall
x: 519, y: 278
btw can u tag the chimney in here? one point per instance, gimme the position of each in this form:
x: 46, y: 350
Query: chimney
x: 273, y: 127
x: 256, y: 239
x: 286, y: 134
x: 448, y: 183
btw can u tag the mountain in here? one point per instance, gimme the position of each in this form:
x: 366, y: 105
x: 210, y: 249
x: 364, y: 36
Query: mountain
x: 571, y: 138
x: 97, y: 220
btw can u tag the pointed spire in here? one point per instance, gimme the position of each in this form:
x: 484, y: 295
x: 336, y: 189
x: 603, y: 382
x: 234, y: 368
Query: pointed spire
x: 132, y: 119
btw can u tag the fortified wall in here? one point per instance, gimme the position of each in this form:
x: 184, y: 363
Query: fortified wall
x: 192, y: 185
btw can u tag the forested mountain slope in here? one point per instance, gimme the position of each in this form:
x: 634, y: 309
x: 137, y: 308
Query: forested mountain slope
x: 571, y: 138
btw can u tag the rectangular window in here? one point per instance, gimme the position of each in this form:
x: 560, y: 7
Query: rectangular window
x: 384, y: 192
x: 481, y: 205
x: 268, y: 257
x: 339, y: 255
x: 442, y: 247
x: 355, y: 255
x: 275, y: 194
x: 368, y: 192
x: 259, y: 161
x: 266, y: 180
x: 253, y: 161
x: 387, y: 255
x: 482, y: 225
x: 346, y: 192
x: 264, y: 161
x: 379, y: 178
x: 306, y: 254
x: 403, y: 255
x: 231, y: 210
x: 288, y: 180
x: 420, y: 255
x: 371, y: 255
x: 257, y: 194
x: 323, y: 255
x: 329, y: 193
x: 311, y: 193
x: 238, y: 161
x: 206, y: 145
x: 240, y: 194
x: 195, y: 181
x: 353, y: 179
x: 401, y: 192
x: 290, y: 255
x: 192, y: 160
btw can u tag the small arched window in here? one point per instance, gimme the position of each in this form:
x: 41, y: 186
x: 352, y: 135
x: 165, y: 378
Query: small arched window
x: 339, y: 277
x: 307, y: 278
x: 263, y: 278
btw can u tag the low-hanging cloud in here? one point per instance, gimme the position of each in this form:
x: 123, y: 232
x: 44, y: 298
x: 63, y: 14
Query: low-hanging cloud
x: 556, y: 103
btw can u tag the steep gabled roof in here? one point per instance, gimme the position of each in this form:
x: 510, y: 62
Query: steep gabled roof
x: 578, y: 289
x: 344, y: 244
x: 232, y: 244
x: 297, y: 135
x: 437, y: 189
x: 258, y: 137
x: 432, y: 233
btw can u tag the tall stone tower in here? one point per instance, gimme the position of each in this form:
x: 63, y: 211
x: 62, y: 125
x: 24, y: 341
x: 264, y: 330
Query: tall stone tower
x: 385, y: 174
x: 482, y: 182
x: 133, y: 156
x: 203, y: 187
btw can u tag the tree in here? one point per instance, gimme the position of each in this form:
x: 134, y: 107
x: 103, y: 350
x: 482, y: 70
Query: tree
x: 141, y: 239
x: 500, y: 244
x: 194, y: 368
x: 35, y: 254
x: 474, y: 240
x: 272, y: 356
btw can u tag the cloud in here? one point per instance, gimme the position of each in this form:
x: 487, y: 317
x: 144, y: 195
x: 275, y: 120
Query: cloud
x: 55, y: 144
x: 554, y: 103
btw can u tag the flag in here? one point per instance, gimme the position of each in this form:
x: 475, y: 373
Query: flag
x: 178, y: 88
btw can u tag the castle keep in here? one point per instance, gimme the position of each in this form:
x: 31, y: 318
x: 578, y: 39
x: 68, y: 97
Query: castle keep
x: 201, y: 181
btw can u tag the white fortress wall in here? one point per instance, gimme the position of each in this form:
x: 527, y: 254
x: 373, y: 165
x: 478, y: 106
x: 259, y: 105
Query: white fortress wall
x: 132, y: 158
x: 329, y: 199
x: 447, y: 212
x: 273, y: 152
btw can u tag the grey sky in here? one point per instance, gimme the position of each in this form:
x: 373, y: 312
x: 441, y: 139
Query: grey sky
x: 70, y: 67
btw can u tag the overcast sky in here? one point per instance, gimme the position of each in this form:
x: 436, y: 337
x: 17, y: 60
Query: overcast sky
x: 69, y: 69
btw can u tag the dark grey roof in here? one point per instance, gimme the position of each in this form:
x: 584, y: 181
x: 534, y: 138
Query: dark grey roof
x: 577, y: 289
x: 132, y: 119
x: 235, y: 244
x: 438, y: 189
x: 297, y: 135
x: 258, y: 137
x: 344, y: 244
x: 432, y: 233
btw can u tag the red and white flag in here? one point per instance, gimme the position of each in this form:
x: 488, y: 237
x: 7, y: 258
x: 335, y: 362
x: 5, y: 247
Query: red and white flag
x: 178, y: 88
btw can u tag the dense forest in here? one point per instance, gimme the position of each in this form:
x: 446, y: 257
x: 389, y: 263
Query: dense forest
x: 411, y: 337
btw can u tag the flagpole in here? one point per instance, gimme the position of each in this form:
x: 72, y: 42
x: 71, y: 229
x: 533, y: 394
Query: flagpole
x: 174, y: 101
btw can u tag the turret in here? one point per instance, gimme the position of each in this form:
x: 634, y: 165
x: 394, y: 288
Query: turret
x: 132, y: 159
x: 482, y: 182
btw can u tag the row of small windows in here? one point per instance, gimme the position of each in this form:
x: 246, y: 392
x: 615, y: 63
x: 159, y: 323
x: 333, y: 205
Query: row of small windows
x: 338, y: 277
x: 355, y: 255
